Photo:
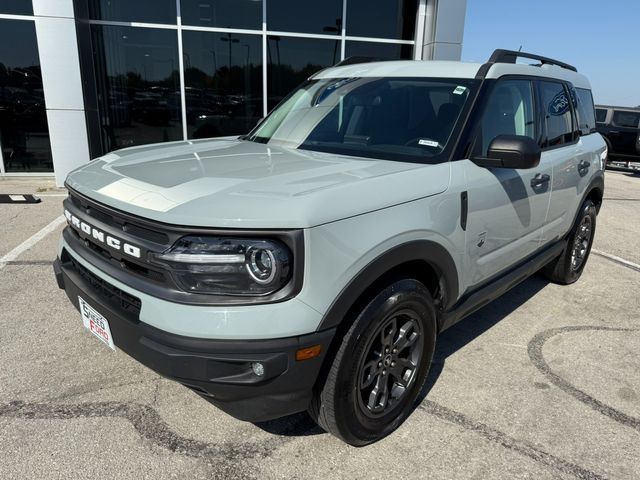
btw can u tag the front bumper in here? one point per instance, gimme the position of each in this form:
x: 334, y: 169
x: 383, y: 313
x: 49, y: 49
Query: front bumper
x: 219, y: 370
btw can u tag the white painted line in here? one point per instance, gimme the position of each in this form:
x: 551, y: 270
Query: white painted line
x: 617, y: 259
x: 52, y: 194
x: 31, y: 241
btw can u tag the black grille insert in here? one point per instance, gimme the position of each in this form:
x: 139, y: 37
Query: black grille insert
x: 114, y: 296
x: 123, y: 263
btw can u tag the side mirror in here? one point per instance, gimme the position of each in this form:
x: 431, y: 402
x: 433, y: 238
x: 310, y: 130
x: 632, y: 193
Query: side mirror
x: 511, y: 151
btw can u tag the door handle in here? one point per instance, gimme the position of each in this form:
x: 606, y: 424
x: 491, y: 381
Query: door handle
x: 583, y: 167
x: 539, y: 180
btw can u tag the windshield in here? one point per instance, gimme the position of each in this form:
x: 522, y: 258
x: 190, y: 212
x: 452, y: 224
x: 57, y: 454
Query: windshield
x: 403, y: 119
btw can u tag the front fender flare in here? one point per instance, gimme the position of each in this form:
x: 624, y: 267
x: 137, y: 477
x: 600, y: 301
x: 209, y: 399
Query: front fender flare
x: 427, y: 251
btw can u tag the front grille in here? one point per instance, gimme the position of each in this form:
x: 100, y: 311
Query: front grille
x: 115, y: 297
x: 92, y: 211
x: 123, y: 263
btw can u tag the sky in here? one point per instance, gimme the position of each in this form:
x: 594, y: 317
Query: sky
x: 600, y: 38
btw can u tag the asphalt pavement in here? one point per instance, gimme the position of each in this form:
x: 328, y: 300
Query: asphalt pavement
x: 542, y: 383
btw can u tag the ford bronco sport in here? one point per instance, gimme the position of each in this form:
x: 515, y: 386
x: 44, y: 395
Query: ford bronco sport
x: 311, y: 264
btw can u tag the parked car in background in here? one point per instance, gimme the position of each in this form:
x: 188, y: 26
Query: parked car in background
x: 620, y: 127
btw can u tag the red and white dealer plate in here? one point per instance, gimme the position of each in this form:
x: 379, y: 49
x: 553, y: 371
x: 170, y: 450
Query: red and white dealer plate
x: 96, y: 323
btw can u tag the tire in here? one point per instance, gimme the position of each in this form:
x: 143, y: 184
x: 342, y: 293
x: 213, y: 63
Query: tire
x: 346, y: 405
x: 568, y: 267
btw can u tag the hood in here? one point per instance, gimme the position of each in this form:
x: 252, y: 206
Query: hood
x: 231, y: 183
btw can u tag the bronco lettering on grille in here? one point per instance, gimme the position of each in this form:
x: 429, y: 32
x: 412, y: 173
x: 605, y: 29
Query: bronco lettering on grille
x: 101, y: 236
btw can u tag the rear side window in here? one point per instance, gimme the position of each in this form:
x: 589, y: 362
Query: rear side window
x: 626, y: 119
x: 585, y: 111
x: 556, y: 112
x: 509, y: 111
x: 601, y: 115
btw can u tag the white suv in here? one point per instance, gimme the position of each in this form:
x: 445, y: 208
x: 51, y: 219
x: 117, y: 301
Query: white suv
x: 311, y: 264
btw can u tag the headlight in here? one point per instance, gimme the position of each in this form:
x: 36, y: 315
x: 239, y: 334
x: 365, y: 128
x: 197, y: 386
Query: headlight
x: 228, y: 266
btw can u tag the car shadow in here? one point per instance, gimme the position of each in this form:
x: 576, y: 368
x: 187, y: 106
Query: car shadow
x: 297, y: 425
x: 449, y: 342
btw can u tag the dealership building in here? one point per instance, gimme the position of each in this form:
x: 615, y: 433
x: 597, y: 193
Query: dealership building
x: 81, y: 78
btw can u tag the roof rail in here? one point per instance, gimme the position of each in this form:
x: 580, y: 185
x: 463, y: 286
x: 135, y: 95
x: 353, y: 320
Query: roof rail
x: 510, y: 56
x: 356, y: 60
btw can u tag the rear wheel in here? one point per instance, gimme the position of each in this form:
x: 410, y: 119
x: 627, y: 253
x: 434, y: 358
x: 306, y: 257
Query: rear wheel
x: 568, y: 267
x: 380, y: 367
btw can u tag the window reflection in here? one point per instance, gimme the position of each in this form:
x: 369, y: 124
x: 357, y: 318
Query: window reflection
x: 382, y: 18
x: 557, y: 112
x: 223, y: 80
x: 148, y: 11
x: 24, y: 134
x: 138, y: 85
x: 293, y: 60
x: 222, y: 13
x: 16, y: 7
x: 307, y: 17
x: 376, y: 50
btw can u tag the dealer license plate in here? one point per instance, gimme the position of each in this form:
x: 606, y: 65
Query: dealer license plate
x: 96, y: 323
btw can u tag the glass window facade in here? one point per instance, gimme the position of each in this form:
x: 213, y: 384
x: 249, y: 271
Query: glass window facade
x: 377, y: 50
x: 307, y: 17
x: 292, y: 60
x: 222, y: 13
x: 382, y: 18
x: 138, y: 85
x: 16, y: 7
x: 224, y: 65
x: 24, y: 133
x: 223, y: 83
x: 144, y: 11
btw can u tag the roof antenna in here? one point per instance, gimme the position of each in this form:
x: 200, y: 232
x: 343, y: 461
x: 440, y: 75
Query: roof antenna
x: 520, y: 49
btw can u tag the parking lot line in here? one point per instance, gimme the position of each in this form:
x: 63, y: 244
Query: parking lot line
x: 615, y: 258
x: 31, y: 241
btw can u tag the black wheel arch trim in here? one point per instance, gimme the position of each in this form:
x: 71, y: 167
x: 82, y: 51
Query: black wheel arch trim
x: 428, y: 251
x: 597, y: 183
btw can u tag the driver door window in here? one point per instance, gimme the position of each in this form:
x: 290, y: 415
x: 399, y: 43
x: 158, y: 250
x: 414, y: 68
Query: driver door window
x: 509, y: 111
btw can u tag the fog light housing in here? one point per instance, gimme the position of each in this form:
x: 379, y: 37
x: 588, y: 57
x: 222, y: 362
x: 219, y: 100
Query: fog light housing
x: 258, y: 369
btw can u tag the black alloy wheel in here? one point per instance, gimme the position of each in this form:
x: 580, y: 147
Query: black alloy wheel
x: 568, y: 267
x: 371, y: 384
x: 390, y: 364
x: 581, y: 243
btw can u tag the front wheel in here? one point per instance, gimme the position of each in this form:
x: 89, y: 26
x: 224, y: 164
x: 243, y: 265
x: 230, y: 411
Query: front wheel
x: 380, y: 367
x: 568, y: 267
